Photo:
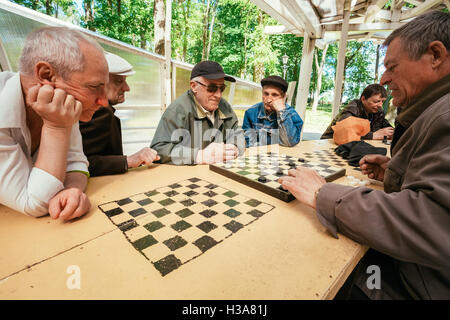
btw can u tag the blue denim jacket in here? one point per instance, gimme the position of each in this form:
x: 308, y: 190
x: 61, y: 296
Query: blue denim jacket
x: 279, y: 127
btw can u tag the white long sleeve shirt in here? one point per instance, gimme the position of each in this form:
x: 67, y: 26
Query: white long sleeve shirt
x: 24, y: 187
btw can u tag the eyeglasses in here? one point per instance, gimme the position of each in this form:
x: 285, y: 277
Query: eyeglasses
x: 213, y: 87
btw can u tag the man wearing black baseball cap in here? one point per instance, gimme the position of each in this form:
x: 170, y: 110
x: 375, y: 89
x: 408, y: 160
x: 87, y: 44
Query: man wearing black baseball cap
x: 200, y: 127
x: 272, y: 121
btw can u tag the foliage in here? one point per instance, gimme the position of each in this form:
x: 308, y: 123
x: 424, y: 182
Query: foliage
x: 237, y: 37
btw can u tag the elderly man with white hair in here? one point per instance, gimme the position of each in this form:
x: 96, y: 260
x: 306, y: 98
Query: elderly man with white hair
x: 102, y: 136
x: 62, y: 79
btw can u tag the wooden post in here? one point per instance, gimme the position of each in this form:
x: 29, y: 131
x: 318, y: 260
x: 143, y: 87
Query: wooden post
x: 304, y: 78
x: 340, y: 64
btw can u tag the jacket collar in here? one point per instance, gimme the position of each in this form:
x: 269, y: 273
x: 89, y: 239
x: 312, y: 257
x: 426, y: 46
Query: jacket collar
x: 425, y: 99
x: 200, y: 112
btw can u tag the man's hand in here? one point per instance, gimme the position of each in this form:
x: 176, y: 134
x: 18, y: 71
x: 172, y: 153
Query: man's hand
x: 381, y: 133
x: 374, y: 166
x: 279, y: 104
x: 57, y: 109
x: 145, y: 156
x: 303, y: 184
x: 217, y: 152
x: 69, y: 204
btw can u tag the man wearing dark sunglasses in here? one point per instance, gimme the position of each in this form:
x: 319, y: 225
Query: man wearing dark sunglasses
x: 200, y: 127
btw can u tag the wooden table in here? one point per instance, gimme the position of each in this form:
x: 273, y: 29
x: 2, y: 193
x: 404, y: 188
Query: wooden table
x: 286, y: 254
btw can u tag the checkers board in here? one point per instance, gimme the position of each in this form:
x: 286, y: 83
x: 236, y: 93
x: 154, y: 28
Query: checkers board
x: 262, y: 171
x: 174, y: 224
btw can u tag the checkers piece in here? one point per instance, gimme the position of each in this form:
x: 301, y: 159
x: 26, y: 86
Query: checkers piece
x: 173, y: 229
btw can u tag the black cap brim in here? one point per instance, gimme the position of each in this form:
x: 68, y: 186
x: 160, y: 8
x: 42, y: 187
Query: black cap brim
x: 215, y: 76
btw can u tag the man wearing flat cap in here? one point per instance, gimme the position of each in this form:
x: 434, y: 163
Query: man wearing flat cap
x: 102, y: 136
x: 272, y: 121
x: 200, y: 127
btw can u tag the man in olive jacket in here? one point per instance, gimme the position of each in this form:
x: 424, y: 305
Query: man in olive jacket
x: 407, y: 224
x: 200, y: 127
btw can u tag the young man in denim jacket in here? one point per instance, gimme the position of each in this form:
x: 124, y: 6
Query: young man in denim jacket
x: 272, y: 121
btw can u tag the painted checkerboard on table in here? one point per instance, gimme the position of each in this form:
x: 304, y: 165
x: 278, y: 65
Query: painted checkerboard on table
x: 262, y: 171
x: 174, y: 224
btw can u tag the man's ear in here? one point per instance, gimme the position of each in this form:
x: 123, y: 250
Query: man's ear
x: 193, y: 85
x: 45, y: 73
x: 438, y: 53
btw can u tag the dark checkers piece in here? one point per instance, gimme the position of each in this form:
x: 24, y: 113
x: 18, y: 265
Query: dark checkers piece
x: 175, y: 243
x: 262, y: 179
x: 234, y: 226
x: 167, y: 226
x: 279, y: 172
x: 205, y: 243
x: 301, y: 160
x: 292, y: 165
x: 206, y: 226
x: 167, y: 264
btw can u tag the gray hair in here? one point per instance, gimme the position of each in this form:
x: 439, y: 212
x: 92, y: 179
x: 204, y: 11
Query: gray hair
x: 59, y: 46
x: 417, y: 34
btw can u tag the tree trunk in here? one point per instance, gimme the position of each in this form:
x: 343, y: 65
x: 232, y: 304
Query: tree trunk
x: 244, y: 71
x: 119, y: 7
x: 48, y: 7
x: 159, y: 18
x: 377, y: 62
x: 211, y: 29
x: 205, y: 30
x: 88, y: 14
x: 259, y: 69
x: 186, y: 27
x: 319, y: 77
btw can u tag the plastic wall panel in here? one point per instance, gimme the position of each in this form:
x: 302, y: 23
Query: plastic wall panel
x: 13, y: 32
x: 145, y: 84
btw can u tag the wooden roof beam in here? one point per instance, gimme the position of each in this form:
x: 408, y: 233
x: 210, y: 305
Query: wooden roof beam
x: 305, y: 15
x: 425, y: 6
